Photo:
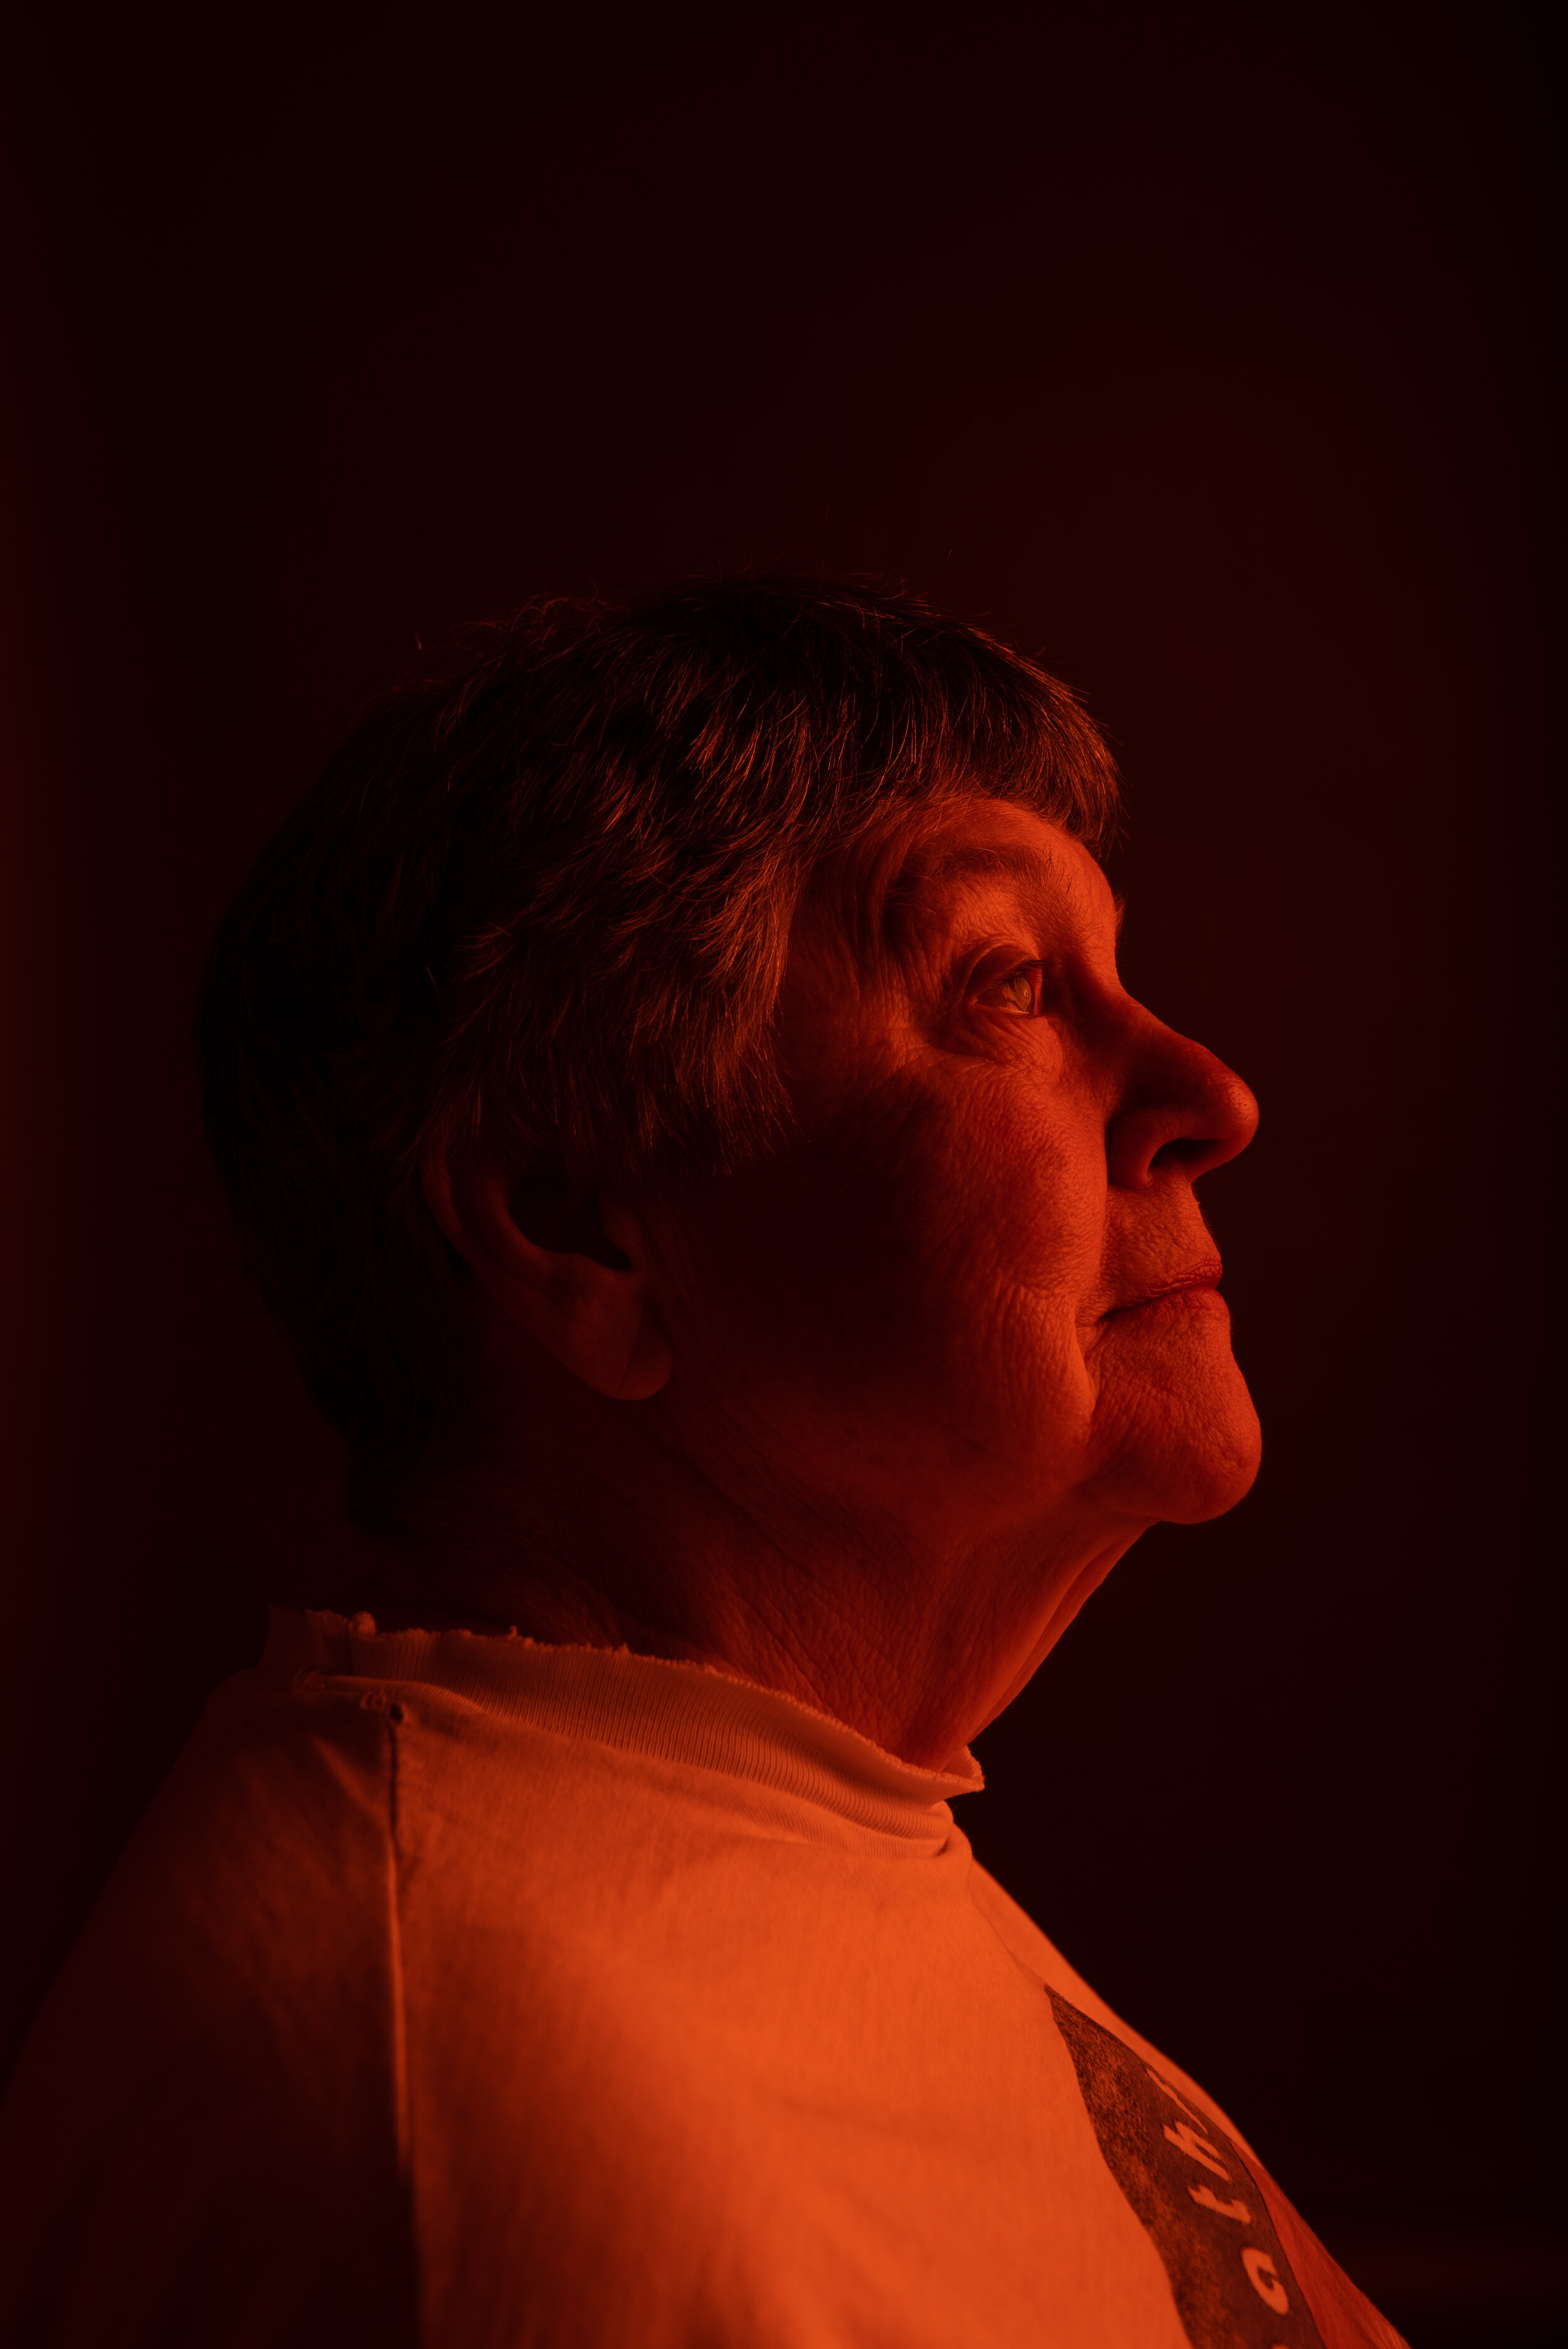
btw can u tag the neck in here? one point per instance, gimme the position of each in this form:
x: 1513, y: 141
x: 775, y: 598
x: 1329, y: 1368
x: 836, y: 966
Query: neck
x: 592, y: 1538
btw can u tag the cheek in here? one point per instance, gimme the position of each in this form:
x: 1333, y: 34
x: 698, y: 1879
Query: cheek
x: 1013, y: 1201
x: 942, y: 1262
x: 903, y: 1296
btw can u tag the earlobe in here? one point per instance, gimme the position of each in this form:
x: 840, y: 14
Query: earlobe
x: 593, y: 1312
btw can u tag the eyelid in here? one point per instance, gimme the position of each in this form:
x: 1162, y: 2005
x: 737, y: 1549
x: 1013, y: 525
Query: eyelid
x: 981, y: 979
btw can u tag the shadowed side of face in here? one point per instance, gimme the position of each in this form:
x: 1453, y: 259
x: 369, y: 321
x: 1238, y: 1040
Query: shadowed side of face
x: 975, y: 1291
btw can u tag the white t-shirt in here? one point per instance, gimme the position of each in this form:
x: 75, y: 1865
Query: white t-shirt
x: 468, y: 1992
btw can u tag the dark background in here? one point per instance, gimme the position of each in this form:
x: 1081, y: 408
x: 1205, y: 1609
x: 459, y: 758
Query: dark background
x: 1213, y: 354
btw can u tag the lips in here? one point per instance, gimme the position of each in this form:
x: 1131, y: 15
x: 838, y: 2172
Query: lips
x: 1203, y: 1275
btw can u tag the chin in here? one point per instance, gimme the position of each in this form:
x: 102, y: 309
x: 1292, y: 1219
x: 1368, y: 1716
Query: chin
x: 1180, y: 1452
x: 1215, y: 1477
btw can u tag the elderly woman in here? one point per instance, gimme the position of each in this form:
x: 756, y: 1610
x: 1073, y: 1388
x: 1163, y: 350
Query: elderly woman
x: 676, y: 1091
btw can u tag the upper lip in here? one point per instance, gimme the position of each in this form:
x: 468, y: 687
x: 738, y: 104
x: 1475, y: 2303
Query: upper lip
x: 1205, y: 1275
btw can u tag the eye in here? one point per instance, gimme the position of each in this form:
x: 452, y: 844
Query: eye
x: 1016, y: 992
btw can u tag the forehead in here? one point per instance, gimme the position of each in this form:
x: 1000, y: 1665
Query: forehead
x: 985, y: 849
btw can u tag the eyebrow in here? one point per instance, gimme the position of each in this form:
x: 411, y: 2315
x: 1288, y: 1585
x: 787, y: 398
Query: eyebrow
x: 1018, y: 864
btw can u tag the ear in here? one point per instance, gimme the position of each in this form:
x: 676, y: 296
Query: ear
x: 539, y: 1248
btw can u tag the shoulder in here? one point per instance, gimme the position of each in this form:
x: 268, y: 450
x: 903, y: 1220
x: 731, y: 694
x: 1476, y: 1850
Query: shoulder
x: 258, y: 1875
x: 214, y: 2078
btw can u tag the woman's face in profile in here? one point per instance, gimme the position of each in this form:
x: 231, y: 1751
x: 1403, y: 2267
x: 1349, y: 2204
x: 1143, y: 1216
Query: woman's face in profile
x: 975, y: 1288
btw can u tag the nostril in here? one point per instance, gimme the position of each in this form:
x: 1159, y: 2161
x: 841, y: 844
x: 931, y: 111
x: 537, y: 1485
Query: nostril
x: 1185, y: 1150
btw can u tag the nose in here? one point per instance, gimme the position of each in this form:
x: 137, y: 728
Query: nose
x: 1181, y: 1108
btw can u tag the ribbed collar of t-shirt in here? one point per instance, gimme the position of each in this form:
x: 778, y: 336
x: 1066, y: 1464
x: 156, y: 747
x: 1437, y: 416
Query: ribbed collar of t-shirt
x: 683, y: 1712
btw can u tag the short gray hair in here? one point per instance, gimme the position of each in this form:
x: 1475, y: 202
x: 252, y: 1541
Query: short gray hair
x: 543, y: 895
